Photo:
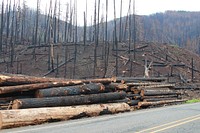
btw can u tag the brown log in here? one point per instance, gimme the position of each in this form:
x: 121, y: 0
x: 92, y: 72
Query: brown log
x: 28, y: 87
x: 92, y: 88
x: 23, y: 117
x: 146, y: 104
x: 67, y: 100
x: 11, y: 79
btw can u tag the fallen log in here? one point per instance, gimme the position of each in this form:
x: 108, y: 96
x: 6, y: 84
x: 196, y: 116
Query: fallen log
x: 92, y: 88
x: 67, y: 100
x: 157, y: 92
x: 28, y: 87
x: 132, y: 79
x: 158, y: 99
x: 134, y: 96
x: 158, y: 86
x: 17, y: 118
x: 160, y: 96
x: 12, y: 79
x: 146, y: 104
x: 133, y: 102
x: 117, y: 86
x: 143, y: 84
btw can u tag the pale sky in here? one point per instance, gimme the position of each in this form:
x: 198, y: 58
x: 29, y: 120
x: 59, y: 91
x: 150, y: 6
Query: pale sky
x: 143, y: 7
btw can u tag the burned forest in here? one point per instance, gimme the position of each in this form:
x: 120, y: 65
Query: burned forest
x: 51, y: 64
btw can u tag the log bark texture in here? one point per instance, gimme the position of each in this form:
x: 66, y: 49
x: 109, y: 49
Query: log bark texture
x: 12, y: 79
x: 29, y: 87
x: 17, y: 118
x: 92, y: 88
x: 157, y: 92
x: 67, y: 100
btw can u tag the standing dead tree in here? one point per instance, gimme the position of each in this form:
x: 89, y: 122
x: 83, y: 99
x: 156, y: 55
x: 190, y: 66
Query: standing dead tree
x: 115, y: 41
x: 75, y: 38
x: 2, y: 26
x: 36, y: 28
x: 95, y: 40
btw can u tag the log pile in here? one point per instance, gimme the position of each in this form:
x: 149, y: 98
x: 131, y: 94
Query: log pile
x: 62, y: 99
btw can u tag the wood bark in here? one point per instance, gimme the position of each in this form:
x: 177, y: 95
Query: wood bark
x: 158, y: 86
x: 17, y: 118
x: 71, y: 90
x: 29, y: 87
x: 132, y: 79
x: 158, y: 99
x: 117, y: 86
x: 146, y: 104
x: 160, y: 96
x: 157, y: 92
x: 133, y: 102
x: 67, y: 100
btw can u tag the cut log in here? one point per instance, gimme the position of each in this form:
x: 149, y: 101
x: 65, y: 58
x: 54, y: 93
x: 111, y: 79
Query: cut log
x: 92, y: 88
x: 17, y: 118
x: 146, y: 104
x: 160, y: 96
x: 11, y: 79
x: 133, y: 102
x: 143, y: 84
x: 132, y: 79
x: 158, y: 99
x: 157, y: 92
x: 67, y: 100
x: 134, y: 96
x: 117, y: 86
x: 158, y: 86
x: 28, y: 87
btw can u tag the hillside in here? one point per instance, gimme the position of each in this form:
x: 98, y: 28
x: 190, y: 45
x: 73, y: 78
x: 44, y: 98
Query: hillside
x: 167, y: 60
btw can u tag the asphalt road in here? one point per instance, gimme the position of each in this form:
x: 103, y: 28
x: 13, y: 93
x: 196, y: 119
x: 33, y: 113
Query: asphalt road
x: 175, y: 119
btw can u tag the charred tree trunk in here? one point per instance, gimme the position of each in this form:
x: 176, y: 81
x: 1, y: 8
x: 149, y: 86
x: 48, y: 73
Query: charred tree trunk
x: 67, y: 100
x: 71, y: 90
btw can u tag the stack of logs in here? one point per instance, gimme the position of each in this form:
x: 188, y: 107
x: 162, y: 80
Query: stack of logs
x: 27, y: 100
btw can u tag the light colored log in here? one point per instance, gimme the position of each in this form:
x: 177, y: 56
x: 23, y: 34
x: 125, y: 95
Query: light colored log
x: 23, y: 117
x: 146, y: 104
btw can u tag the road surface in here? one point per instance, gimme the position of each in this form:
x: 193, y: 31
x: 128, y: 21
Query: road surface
x: 175, y: 119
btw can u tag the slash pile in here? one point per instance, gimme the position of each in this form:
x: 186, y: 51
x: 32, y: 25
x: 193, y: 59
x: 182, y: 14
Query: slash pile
x: 28, y: 100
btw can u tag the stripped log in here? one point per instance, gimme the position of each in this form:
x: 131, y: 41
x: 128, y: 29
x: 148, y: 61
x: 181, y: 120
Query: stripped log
x: 92, y: 88
x: 17, y: 118
x: 67, y: 100
x: 11, y: 79
x: 28, y: 87
x: 157, y: 92
x: 146, y: 104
